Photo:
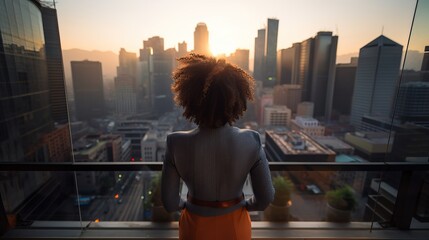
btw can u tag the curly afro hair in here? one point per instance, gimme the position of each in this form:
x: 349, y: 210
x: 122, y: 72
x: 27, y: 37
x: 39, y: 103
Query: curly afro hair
x: 212, y: 92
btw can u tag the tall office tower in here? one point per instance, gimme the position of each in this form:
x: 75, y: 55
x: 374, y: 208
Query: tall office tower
x: 155, y: 69
x: 271, y: 52
x: 28, y: 74
x: 305, y: 69
x: 376, y: 76
x: 144, y: 84
x: 201, y: 39
x: 425, y: 62
x: 259, y: 57
x: 288, y: 65
x: 156, y: 43
x: 425, y: 65
x: 54, y: 62
x: 343, y: 90
x: 413, y: 103
x: 161, y: 78
x: 125, y: 96
x: 240, y: 58
x: 88, y: 89
x: 288, y: 95
x: 183, y: 49
x: 127, y: 63
x: 125, y: 84
x: 323, y: 79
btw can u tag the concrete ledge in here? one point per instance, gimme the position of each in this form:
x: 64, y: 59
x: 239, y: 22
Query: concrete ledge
x: 260, y: 230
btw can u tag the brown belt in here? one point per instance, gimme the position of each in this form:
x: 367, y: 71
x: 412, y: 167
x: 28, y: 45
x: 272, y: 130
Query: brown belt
x: 215, y: 204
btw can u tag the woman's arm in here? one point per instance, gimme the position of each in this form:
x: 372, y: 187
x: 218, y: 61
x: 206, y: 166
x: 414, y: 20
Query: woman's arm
x: 170, y: 183
x: 263, y: 189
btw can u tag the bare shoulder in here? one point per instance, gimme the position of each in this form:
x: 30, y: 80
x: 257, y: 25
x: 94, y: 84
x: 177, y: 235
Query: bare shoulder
x: 175, y: 136
x: 248, y: 134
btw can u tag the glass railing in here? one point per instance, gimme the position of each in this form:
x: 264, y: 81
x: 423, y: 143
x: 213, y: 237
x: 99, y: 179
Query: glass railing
x: 81, y: 196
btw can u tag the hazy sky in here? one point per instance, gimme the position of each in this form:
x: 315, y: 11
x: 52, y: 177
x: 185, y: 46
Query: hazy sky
x: 108, y: 25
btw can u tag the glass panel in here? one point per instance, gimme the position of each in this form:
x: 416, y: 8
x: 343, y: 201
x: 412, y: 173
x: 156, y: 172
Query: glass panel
x: 31, y: 198
x: 121, y: 196
x: 326, y: 196
x: 410, y: 134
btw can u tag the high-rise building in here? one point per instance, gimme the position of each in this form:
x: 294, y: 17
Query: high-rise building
x: 259, y: 57
x: 288, y: 95
x: 240, y: 58
x: 154, y: 77
x: 25, y: 83
x: 127, y: 63
x: 125, y: 84
x: 156, y: 43
x: 54, y: 62
x: 425, y: 62
x: 270, y: 53
x: 305, y: 69
x: 88, y: 89
x: 201, y: 39
x: 143, y: 83
x: 183, y: 49
x: 376, y: 76
x: 323, y: 79
x: 125, y: 95
x: 288, y: 65
x: 311, y: 64
x: 343, y: 90
x: 412, y: 105
x: 32, y: 98
x: 425, y: 65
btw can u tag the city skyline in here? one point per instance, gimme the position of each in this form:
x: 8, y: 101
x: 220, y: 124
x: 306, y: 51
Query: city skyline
x: 343, y: 18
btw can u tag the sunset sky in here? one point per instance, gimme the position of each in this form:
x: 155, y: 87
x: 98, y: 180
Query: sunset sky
x: 108, y: 25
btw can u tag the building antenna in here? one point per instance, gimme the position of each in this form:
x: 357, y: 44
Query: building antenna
x: 382, y: 30
x: 336, y: 29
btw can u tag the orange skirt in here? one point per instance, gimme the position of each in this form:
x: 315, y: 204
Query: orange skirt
x: 235, y: 225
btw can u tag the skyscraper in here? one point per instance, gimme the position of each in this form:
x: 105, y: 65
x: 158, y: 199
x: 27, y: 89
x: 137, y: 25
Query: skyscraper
x: 240, y: 58
x: 425, y: 65
x: 323, y: 74
x: 270, y: 52
x: 156, y: 43
x: 413, y: 103
x: 288, y: 65
x: 259, y: 57
x: 54, y: 62
x: 125, y: 84
x: 425, y: 62
x: 183, y: 49
x: 88, y: 89
x: 305, y: 72
x: 343, y: 90
x: 25, y: 95
x: 32, y: 98
x: 311, y: 64
x: 201, y: 39
x: 155, y: 69
x: 376, y: 76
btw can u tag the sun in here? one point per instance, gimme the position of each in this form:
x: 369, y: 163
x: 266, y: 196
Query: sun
x: 221, y: 46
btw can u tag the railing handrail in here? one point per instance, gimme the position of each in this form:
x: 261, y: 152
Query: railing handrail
x: 157, y: 166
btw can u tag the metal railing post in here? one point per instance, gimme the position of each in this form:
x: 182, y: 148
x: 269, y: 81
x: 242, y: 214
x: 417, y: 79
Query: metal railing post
x: 4, y: 225
x: 406, y: 200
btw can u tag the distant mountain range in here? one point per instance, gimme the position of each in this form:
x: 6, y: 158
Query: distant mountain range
x: 109, y: 61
